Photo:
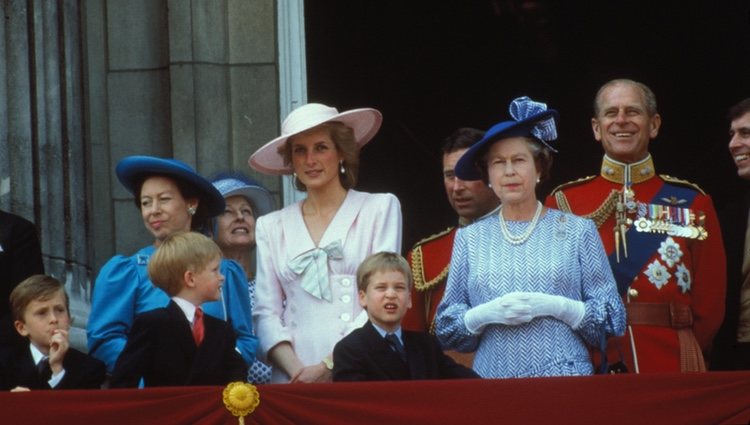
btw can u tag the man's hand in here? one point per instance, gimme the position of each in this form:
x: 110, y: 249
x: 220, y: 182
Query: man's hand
x: 58, y: 347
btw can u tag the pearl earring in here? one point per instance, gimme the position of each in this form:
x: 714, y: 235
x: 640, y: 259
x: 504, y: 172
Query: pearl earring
x: 191, y: 210
x: 538, y: 179
x: 341, y: 167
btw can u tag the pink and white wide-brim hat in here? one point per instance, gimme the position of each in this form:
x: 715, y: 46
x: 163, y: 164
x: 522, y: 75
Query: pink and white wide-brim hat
x: 365, y: 122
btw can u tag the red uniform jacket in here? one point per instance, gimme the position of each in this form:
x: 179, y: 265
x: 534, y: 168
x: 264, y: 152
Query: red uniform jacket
x: 659, y: 268
x: 429, y: 261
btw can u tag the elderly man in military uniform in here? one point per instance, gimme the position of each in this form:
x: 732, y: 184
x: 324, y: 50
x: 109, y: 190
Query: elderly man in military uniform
x: 430, y: 257
x: 661, y: 234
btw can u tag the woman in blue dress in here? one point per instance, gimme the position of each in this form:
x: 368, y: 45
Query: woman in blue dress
x: 234, y: 232
x: 172, y: 197
x: 529, y: 288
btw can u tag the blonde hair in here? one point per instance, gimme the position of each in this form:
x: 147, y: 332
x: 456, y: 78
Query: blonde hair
x: 38, y: 287
x: 346, y: 144
x: 379, y: 262
x: 178, y: 253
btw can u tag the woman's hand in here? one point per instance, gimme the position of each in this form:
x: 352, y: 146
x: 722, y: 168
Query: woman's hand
x: 569, y: 311
x: 282, y: 356
x: 312, y: 374
x: 509, y: 309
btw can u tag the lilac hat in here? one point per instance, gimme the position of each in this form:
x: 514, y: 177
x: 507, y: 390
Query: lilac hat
x: 259, y: 197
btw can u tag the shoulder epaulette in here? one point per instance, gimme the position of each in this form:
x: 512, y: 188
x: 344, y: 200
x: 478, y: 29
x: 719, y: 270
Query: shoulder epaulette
x: 572, y: 183
x: 433, y: 237
x: 417, y: 265
x: 682, y: 182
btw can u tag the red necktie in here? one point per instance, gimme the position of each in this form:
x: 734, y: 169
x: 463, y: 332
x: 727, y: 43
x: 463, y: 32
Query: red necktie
x: 198, y: 326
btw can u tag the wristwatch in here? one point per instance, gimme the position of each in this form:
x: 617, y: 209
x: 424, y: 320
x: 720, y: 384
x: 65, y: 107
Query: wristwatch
x: 328, y: 362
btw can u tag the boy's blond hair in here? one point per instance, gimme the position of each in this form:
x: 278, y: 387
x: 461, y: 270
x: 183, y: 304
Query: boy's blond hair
x: 382, y: 261
x: 178, y: 253
x: 38, y: 287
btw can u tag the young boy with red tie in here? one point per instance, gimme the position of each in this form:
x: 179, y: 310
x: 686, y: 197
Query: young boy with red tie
x: 380, y: 350
x: 178, y: 345
x: 40, y: 310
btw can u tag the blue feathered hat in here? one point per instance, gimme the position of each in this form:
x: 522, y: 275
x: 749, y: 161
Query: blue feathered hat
x: 530, y: 119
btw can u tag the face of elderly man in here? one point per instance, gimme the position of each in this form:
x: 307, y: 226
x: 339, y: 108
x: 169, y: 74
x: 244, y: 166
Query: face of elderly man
x: 623, y: 124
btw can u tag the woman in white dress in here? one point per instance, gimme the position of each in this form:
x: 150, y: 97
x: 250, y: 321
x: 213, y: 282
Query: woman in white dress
x: 308, y: 252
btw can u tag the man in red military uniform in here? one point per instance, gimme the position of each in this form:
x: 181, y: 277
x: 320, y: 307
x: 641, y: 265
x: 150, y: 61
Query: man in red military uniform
x: 430, y: 257
x: 661, y: 234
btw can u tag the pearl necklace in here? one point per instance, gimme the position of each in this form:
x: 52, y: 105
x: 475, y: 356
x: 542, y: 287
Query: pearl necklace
x: 518, y: 240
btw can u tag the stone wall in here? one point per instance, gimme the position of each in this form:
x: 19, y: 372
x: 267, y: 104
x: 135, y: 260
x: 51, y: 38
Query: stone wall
x: 84, y: 83
x: 196, y: 80
x: 42, y: 145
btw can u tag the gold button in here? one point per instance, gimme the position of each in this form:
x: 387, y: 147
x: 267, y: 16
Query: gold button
x: 633, y: 293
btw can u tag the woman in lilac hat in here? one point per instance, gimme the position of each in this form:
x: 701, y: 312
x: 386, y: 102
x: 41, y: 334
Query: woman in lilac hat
x: 234, y: 228
x: 308, y: 252
x: 234, y: 232
x: 171, y: 197
x: 530, y: 287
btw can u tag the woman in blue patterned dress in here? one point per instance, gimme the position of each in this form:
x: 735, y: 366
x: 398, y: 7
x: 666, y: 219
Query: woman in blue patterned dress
x: 529, y: 288
x: 234, y: 232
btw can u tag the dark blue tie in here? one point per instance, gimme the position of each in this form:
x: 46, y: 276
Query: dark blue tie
x: 396, y: 346
x: 45, y: 372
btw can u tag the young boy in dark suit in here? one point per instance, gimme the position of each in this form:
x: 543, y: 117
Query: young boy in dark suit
x: 380, y: 350
x: 39, y: 306
x: 178, y: 345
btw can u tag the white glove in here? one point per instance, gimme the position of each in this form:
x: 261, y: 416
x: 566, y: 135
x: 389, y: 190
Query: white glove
x: 562, y: 308
x: 510, y: 309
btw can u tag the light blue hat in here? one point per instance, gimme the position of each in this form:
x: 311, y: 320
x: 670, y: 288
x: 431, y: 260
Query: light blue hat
x: 259, y: 197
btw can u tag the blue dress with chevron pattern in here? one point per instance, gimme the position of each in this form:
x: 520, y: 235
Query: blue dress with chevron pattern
x: 564, y: 256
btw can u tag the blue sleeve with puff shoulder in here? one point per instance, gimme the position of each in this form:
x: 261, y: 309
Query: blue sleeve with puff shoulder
x: 121, y: 291
x: 236, y: 309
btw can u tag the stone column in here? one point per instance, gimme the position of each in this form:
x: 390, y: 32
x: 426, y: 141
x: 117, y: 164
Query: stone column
x: 42, y: 149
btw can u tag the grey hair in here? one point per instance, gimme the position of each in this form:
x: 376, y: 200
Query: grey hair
x: 648, y: 96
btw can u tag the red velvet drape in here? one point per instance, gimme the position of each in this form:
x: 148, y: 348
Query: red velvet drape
x: 708, y: 398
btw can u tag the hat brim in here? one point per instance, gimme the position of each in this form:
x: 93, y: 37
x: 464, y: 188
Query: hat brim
x: 261, y: 199
x: 466, y: 168
x: 364, y: 121
x: 133, y: 169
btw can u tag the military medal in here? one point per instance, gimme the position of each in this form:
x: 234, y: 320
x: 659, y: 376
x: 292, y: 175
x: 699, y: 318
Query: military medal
x: 669, y: 220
